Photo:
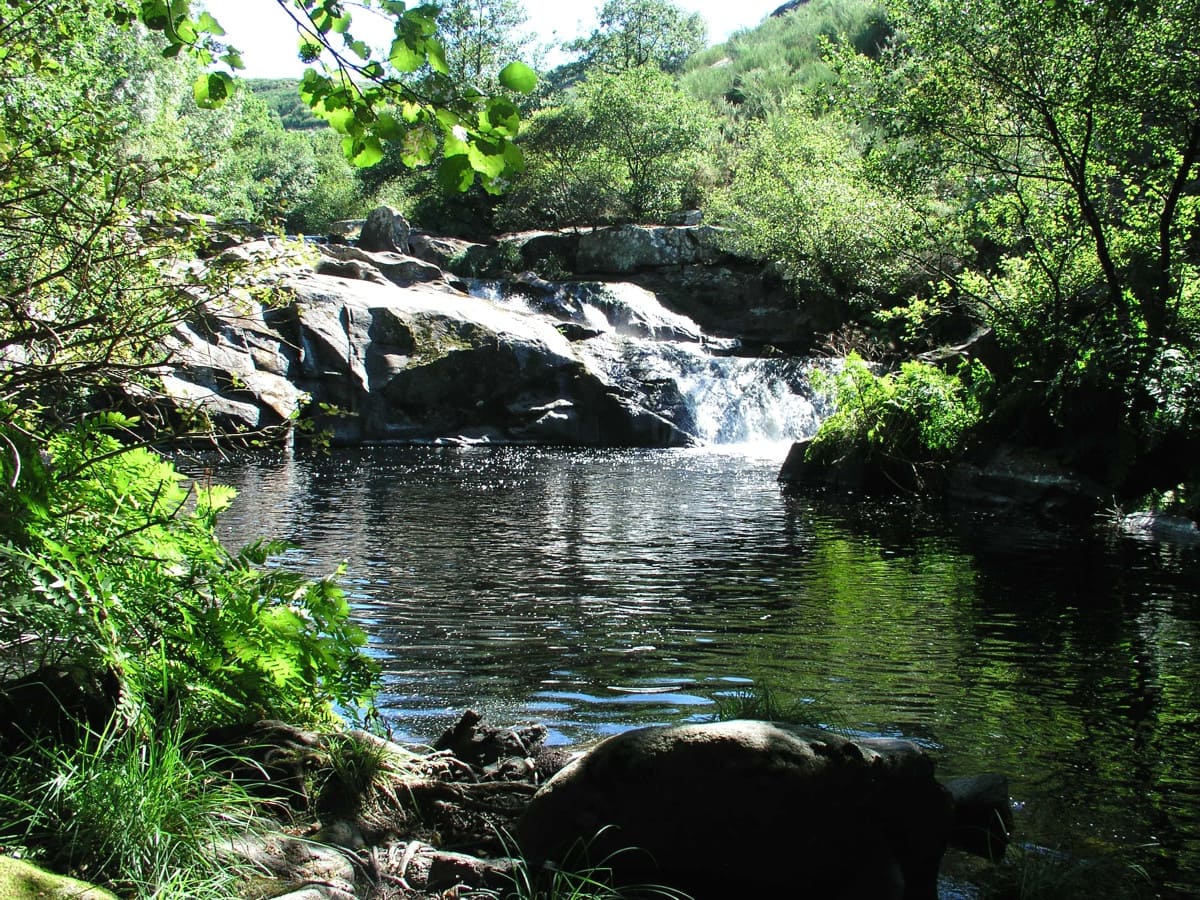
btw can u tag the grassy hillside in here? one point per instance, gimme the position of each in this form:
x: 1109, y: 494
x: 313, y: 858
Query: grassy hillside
x: 281, y: 95
x: 756, y: 67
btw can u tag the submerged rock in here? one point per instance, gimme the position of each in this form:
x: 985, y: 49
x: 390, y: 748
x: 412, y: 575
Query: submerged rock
x: 748, y: 808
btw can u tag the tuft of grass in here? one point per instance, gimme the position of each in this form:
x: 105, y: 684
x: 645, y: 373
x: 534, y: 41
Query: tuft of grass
x: 764, y: 703
x: 352, y: 766
x: 578, y: 878
x: 136, y: 810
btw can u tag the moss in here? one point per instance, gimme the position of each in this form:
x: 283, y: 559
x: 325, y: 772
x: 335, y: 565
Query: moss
x: 20, y: 880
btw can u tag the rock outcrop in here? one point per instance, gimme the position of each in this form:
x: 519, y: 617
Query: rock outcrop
x: 378, y: 346
x: 687, y: 266
x: 749, y: 808
x: 385, y: 230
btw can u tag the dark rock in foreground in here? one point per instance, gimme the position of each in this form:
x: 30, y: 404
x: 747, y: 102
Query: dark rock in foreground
x: 748, y: 808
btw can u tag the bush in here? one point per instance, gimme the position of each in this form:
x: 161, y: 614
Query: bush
x: 628, y: 147
x: 801, y: 196
x: 917, y: 416
x: 111, y: 563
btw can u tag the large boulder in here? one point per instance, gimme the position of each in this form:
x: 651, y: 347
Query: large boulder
x: 385, y: 230
x: 405, y: 364
x: 625, y: 249
x: 378, y: 266
x: 749, y: 808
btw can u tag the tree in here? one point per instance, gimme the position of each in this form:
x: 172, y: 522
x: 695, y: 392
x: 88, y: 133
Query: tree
x: 102, y: 546
x: 481, y: 36
x: 626, y: 146
x: 1077, y: 127
x: 801, y: 195
x: 636, y: 33
x: 1068, y: 136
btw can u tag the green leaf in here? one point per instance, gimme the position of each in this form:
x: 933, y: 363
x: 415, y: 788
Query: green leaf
x: 436, y: 54
x: 388, y: 127
x: 154, y: 14
x: 403, y: 57
x: 517, y: 76
x: 456, y: 141
x: 212, y: 89
x: 207, y: 24
x: 343, y: 121
x: 186, y: 31
x: 501, y: 117
x: 455, y: 174
x: 364, y: 152
x: 486, y: 158
x: 418, y: 146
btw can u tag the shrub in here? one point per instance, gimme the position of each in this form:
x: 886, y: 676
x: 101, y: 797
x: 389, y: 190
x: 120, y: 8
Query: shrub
x: 111, y: 563
x: 917, y: 416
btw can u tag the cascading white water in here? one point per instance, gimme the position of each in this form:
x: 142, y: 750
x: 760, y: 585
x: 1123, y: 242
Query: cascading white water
x: 667, y: 362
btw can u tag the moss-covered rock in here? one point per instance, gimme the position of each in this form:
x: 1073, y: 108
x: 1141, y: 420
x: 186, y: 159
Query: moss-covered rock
x: 20, y: 880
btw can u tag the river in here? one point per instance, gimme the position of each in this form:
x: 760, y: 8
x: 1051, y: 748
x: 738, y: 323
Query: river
x: 595, y: 591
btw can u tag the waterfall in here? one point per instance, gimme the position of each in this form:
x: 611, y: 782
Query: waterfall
x: 666, y: 361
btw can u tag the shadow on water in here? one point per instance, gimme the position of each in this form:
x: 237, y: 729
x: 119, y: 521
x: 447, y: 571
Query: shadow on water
x: 597, y: 591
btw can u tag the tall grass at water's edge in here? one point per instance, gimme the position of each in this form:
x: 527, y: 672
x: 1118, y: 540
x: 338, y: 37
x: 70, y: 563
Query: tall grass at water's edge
x: 138, y: 810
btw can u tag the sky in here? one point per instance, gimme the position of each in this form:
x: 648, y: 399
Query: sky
x: 267, y: 38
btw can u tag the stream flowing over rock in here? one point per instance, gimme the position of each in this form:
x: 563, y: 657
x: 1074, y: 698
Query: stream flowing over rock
x: 376, y: 345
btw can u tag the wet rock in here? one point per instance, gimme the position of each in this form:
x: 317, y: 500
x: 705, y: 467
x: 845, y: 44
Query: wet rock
x: 440, y: 251
x: 749, y: 808
x: 380, y: 266
x: 352, y: 269
x: 1025, y: 480
x: 345, y: 230
x: 983, y: 819
x: 478, y: 744
x: 1156, y: 526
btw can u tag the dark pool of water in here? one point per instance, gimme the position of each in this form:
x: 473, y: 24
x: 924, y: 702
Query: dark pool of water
x: 595, y: 591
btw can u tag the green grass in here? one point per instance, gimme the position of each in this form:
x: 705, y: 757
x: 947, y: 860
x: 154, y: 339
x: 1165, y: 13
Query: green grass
x: 764, y: 703
x: 138, y: 811
x: 578, y: 877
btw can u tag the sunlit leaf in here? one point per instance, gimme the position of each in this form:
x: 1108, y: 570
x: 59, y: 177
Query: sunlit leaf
x: 455, y: 174
x: 486, y: 158
x: 362, y: 152
x: 207, y: 24
x: 517, y: 76
x: 403, y: 57
x: 211, y: 89
x: 501, y: 117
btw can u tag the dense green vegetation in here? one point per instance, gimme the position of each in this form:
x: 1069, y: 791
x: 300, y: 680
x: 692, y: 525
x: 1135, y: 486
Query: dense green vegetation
x: 935, y: 170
